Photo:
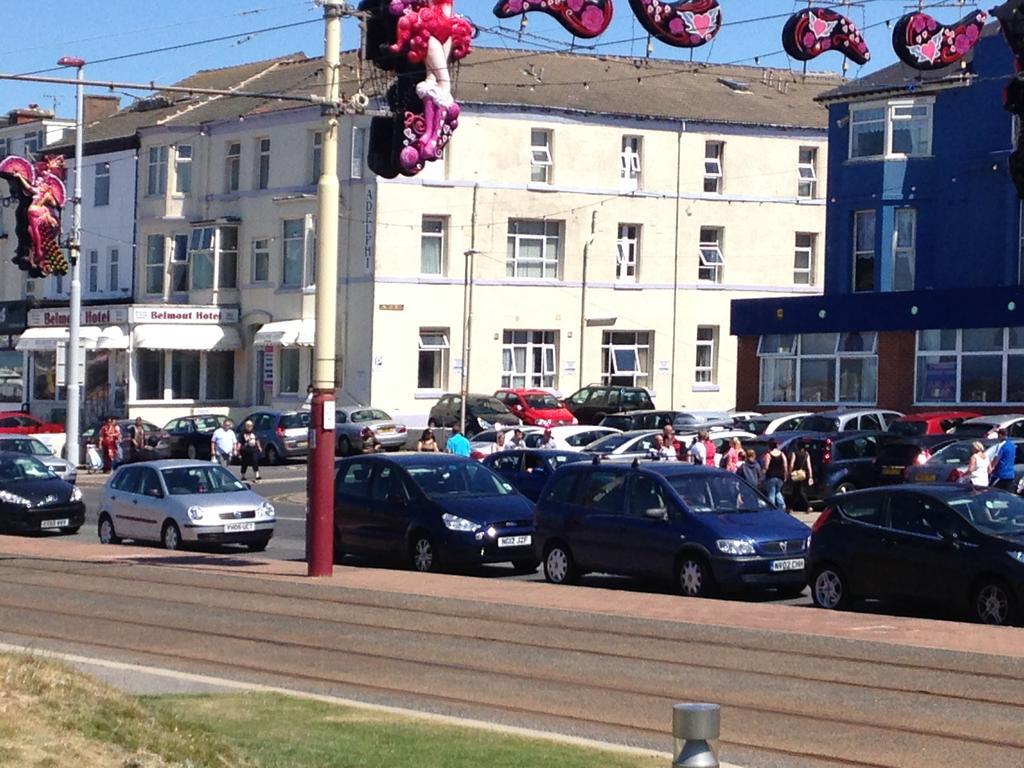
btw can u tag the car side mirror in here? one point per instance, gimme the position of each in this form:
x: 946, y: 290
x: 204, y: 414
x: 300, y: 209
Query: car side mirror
x: 156, y: 493
x: 657, y: 513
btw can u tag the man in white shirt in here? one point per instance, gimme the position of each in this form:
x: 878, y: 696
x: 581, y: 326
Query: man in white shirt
x: 223, y: 443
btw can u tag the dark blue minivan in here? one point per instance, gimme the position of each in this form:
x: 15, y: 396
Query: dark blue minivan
x: 704, y: 528
x: 529, y: 469
x: 429, y: 510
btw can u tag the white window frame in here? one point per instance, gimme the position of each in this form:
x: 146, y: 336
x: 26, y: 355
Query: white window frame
x: 711, y: 258
x: 793, y: 351
x: 541, y: 160
x: 714, y: 167
x: 804, y: 275
x: 631, y: 162
x: 530, y: 343
x: 307, y: 274
x: 183, y: 169
x: 167, y: 371
x: 156, y: 171
x: 627, y: 254
x: 101, y: 182
x: 113, y: 269
x: 706, y: 373
x: 152, y: 266
x: 958, y: 354
x: 438, y: 236
x: 904, y: 250
x: 358, y: 152
x: 440, y: 350
x: 93, y: 273
x: 279, y: 370
x: 178, y: 262
x: 551, y: 239
x: 215, y: 251
x: 640, y: 346
x: 232, y: 166
x: 859, y: 253
x: 807, y: 173
x: 262, y: 169
x: 260, y: 251
x: 891, y: 115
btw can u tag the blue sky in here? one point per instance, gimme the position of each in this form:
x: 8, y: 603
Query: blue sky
x: 123, y: 26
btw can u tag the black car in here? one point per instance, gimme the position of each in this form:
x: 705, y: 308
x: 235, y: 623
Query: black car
x: 189, y: 437
x: 592, y: 403
x: 631, y: 420
x: 529, y: 470
x: 482, y: 412
x: 895, y: 455
x: 429, y: 510
x: 951, y: 545
x: 842, y: 462
x: 34, y: 499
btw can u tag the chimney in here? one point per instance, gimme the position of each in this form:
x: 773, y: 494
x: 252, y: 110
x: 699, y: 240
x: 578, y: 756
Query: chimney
x: 98, y: 107
x: 30, y: 114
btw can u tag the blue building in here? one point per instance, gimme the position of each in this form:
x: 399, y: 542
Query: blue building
x: 923, y: 303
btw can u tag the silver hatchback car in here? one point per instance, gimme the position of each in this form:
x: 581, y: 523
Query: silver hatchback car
x: 33, y: 447
x: 180, y: 501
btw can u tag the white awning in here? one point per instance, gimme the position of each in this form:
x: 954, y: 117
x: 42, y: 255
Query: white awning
x: 112, y: 337
x: 286, y: 333
x: 207, y: 338
x: 47, y: 339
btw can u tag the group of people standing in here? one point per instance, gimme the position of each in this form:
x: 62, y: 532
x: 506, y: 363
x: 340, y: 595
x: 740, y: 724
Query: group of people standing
x: 111, y: 443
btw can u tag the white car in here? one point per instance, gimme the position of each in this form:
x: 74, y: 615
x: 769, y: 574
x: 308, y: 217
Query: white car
x: 986, y: 426
x: 571, y: 438
x: 770, y: 423
x: 485, y: 443
x: 638, y: 444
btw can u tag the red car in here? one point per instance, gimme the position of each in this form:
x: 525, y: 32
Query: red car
x: 929, y: 423
x: 536, y: 407
x: 18, y: 423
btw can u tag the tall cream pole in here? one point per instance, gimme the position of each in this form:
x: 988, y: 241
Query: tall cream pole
x: 320, y: 520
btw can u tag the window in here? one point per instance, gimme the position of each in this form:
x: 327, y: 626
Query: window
x: 627, y: 253
x: 184, y: 374
x: 220, y: 375
x: 432, y: 368
x: 93, y: 281
x: 316, y: 155
x: 972, y: 365
x: 630, y: 163
x: 183, y: 169
x: 604, y: 491
x: 807, y: 172
x: 358, y: 151
x: 904, y: 239
x: 113, y: 265
x: 713, y: 151
x: 5, y: 148
x: 803, y: 258
x: 44, y: 376
x: 200, y: 255
x: 432, y: 245
x: 262, y: 163
x: 34, y: 141
x: 897, y: 129
x: 232, y: 166
x: 706, y: 368
x: 534, y: 248
x: 260, y: 261
x: 711, y: 260
x: 540, y: 156
x: 625, y: 357
x: 528, y: 359
x: 155, y: 264
x: 156, y: 171
x: 101, y: 183
x: 293, y: 253
x: 819, y: 368
x: 179, y: 264
x: 227, y: 254
x: 213, y: 254
x: 288, y: 374
x: 863, y: 250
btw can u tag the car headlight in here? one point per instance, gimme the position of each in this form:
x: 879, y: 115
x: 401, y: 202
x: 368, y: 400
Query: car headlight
x: 76, y: 493
x: 266, y: 509
x: 735, y: 546
x: 1017, y: 555
x: 456, y: 523
x: 195, y: 513
x: 12, y: 498
x: 543, y: 422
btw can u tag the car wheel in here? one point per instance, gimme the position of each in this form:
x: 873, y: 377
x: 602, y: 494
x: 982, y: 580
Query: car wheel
x: 344, y: 446
x: 272, y: 455
x: 259, y: 545
x: 170, y: 536
x: 423, y: 554
x: 527, y: 565
x: 993, y: 603
x: 693, y: 576
x: 105, y: 530
x: 559, y: 566
x: 192, y: 452
x: 845, y: 488
x: 829, y: 588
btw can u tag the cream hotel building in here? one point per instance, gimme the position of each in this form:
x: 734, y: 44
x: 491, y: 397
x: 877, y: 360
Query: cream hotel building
x: 613, y: 209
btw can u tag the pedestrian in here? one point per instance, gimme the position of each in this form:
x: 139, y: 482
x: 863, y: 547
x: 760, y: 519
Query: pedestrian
x: 734, y: 456
x: 979, y: 466
x: 709, y: 449
x: 249, y: 449
x: 457, y: 443
x: 497, y: 446
x: 668, y: 435
x: 1004, y: 471
x: 751, y: 470
x: 547, y: 440
x: 138, y: 440
x: 427, y: 443
x: 370, y: 442
x: 801, y: 475
x: 110, y: 442
x: 307, y: 404
x: 661, y: 452
x: 224, y: 444
x: 776, y: 472
x: 517, y: 441
x: 697, y: 453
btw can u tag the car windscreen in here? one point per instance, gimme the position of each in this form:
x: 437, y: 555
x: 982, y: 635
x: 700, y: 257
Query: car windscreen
x: 208, y: 423
x: 487, y: 405
x: 953, y: 455
x: 974, y: 429
x: 457, y: 479
x: 991, y: 511
x: 185, y: 481
x: 543, y: 402
x: 296, y: 420
x: 24, y: 468
x: 705, y: 493
x: 27, y: 445
x: 908, y: 428
x: 819, y: 424
x: 754, y: 426
x: 370, y: 414
x: 609, y: 443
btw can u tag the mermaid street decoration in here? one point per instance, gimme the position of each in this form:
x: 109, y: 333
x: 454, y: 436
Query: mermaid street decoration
x: 923, y: 43
x: 815, y: 31
x: 583, y: 18
x: 40, y: 191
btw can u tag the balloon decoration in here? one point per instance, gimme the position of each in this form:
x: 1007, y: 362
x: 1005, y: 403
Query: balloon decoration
x: 923, y: 43
x: 39, y: 189
x: 685, y: 24
x: 1011, y: 21
x: 583, y: 18
x: 815, y: 31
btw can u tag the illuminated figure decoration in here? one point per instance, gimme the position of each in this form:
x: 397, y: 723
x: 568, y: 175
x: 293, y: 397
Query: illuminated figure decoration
x: 686, y: 24
x: 417, y: 39
x: 815, y: 31
x: 583, y: 18
x: 923, y: 43
x: 40, y: 191
x: 1011, y: 21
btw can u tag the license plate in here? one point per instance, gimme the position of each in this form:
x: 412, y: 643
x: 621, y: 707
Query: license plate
x: 892, y: 470
x: 237, y: 527
x: 514, y: 541
x: 301, y: 443
x: 925, y: 478
x: 796, y: 564
x: 55, y: 523
x: 384, y: 430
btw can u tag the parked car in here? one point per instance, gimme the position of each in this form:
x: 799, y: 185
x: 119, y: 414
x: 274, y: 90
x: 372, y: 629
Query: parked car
x: 482, y: 412
x: 703, y: 528
x: 570, y: 438
x: 17, y: 423
x: 643, y: 420
x: 638, y: 443
x: 485, y: 443
x: 34, y: 499
x: 842, y: 462
x: 769, y: 423
x: 592, y: 403
x: 182, y: 502
x: 351, y: 420
x: 430, y: 510
x: 895, y: 456
x: 846, y: 421
x: 529, y: 470
x: 158, y: 441
x: 535, y: 407
x: 949, y: 464
x: 948, y: 545
x: 931, y: 423
x: 34, y: 447
x: 283, y: 434
x: 189, y: 437
x: 987, y: 426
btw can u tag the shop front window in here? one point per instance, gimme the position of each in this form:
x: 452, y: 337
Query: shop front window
x: 220, y: 375
x: 11, y: 387
x: 819, y: 368
x: 288, y: 381
x: 184, y: 375
x: 972, y: 365
x: 44, y: 375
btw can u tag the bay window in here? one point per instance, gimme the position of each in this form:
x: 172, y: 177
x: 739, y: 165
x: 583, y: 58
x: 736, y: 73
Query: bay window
x: 213, y: 255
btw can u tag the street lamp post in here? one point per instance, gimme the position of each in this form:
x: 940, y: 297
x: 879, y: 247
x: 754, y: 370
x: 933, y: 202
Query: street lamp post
x: 467, y: 323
